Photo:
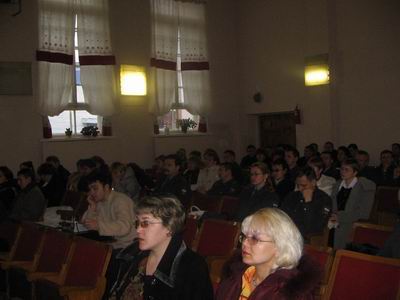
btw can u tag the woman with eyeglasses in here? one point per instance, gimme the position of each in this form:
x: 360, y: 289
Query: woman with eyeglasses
x: 258, y: 194
x: 159, y: 265
x: 272, y: 264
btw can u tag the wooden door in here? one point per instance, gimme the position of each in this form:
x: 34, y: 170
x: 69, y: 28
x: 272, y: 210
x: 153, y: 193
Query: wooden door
x: 275, y: 129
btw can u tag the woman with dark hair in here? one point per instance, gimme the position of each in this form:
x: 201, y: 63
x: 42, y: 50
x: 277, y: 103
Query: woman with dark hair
x: 52, y: 187
x: 8, y: 190
x: 159, y: 265
x: 353, y: 198
x: 28, y: 165
x: 258, y: 194
x: 343, y: 153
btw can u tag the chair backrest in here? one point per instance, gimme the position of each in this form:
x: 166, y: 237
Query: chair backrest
x: 9, y: 232
x: 29, y: 242
x: 323, y: 256
x: 373, y: 234
x: 217, y: 237
x: 361, y: 276
x: 55, y: 250
x: 229, y: 206
x: 207, y: 203
x: 72, y: 198
x: 386, y: 205
x: 88, y: 262
x: 190, y: 231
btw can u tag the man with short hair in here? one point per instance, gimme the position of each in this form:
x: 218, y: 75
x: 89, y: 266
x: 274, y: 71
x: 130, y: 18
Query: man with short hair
x: 227, y: 185
x: 384, y: 172
x: 250, y: 158
x: 291, y: 157
x: 362, y: 158
x: 230, y: 157
x: 282, y: 184
x: 173, y: 182
x: 110, y: 213
x: 309, y: 207
x: 329, y: 165
x: 324, y: 183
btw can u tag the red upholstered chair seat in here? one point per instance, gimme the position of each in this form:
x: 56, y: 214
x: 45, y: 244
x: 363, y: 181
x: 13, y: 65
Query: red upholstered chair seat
x: 361, y: 276
x: 376, y: 235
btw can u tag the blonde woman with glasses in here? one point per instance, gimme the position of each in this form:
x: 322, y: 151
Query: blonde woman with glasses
x: 272, y: 265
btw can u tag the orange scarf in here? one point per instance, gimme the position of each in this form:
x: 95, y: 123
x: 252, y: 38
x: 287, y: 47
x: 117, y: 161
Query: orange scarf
x: 247, y: 285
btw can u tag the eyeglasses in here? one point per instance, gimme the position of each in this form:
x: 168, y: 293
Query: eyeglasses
x: 145, y: 223
x: 251, y: 239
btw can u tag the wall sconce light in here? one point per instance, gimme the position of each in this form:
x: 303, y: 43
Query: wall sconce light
x: 316, y: 70
x: 133, y: 80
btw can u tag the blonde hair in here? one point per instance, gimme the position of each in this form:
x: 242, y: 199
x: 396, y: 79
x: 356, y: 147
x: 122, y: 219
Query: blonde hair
x: 281, y: 229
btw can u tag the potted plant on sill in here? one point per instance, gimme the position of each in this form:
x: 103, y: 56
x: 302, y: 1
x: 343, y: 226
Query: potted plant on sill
x: 90, y: 131
x: 185, y: 124
x: 68, y: 132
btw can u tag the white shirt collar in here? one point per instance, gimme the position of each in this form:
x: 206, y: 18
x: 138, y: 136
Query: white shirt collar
x: 351, y: 185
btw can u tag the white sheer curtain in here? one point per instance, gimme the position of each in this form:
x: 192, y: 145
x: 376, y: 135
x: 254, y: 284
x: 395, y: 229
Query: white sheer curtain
x: 194, y: 55
x: 164, y: 37
x: 95, y: 57
x: 55, y: 56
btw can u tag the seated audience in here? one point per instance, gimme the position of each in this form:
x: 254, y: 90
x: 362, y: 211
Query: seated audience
x: 173, y: 182
x: 324, y: 183
x: 249, y: 158
x: 30, y: 204
x: 353, y: 148
x: 227, y: 185
x: 28, y: 165
x: 159, y: 265
x: 282, y: 184
x: 230, y: 157
x: 258, y: 194
x: 396, y: 153
x: 193, y: 169
x: 8, y: 191
x: 362, y: 158
x: 73, y: 179
x: 342, y: 154
x: 86, y: 166
x: 291, y: 157
x: 158, y: 168
x: 62, y: 173
x: 309, y: 152
x: 384, y: 172
x: 124, y: 180
x: 329, y: 165
x: 52, y: 187
x: 181, y: 153
x: 353, y: 198
x: 309, y: 207
x: 100, y: 163
x: 209, y: 174
x: 273, y: 265
x: 261, y: 156
x: 110, y: 213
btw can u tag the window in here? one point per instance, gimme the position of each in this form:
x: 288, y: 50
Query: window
x: 77, y: 116
x: 178, y: 111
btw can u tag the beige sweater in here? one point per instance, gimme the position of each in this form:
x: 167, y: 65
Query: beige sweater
x: 115, y: 218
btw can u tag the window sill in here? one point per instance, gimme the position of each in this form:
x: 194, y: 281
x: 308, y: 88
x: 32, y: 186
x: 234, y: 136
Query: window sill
x: 181, y: 134
x: 77, y: 138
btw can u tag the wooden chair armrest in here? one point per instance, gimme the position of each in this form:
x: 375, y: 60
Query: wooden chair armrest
x: 50, y: 276
x: 16, y: 264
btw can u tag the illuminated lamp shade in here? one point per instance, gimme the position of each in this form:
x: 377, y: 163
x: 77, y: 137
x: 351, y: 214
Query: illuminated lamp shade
x: 133, y: 81
x: 316, y: 71
x: 316, y: 75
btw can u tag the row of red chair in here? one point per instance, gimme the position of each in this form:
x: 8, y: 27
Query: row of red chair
x: 55, y: 265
